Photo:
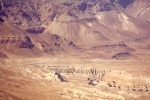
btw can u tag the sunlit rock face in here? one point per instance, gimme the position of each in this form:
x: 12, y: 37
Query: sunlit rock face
x: 139, y: 9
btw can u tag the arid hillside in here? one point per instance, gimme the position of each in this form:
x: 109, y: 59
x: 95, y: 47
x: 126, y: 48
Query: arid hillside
x: 93, y: 27
x: 74, y: 49
x: 140, y: 9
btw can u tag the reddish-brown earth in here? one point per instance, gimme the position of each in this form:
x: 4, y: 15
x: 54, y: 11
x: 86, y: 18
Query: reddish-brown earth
x: 76, y: 50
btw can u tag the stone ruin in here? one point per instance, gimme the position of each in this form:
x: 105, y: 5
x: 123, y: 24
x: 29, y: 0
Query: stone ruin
x: 92, y: 76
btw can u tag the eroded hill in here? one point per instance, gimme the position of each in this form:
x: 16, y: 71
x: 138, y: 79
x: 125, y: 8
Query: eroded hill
x: 65, y: 26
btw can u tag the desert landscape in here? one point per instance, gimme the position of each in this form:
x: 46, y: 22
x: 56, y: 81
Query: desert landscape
x: 74, y: 50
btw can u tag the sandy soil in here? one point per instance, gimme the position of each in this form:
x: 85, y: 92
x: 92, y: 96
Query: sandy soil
x: 30, y: 79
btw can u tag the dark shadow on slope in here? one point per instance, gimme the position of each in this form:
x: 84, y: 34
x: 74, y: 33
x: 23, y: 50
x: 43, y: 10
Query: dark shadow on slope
x: 26, y: 16
x: 125, y: 3
x: 3, y: 56
x: 83, y: 6
x: 35, y: 30
x: 67, y: 3
x: 2, y: 14
x: 123, y: 56
x: 107, y: 6
x: 112, y: 1
x: 60, y: 77
x: 1, y: 20
x: 26, y: 43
